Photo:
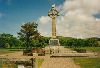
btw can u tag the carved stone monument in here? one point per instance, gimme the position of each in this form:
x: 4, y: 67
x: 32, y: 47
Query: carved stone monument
x: 53, y: 13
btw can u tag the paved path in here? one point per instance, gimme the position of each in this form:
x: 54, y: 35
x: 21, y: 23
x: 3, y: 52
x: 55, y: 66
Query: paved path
x: 59, y: 62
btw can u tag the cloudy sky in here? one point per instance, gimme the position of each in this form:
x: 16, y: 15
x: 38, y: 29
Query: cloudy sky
x: 78, y: 18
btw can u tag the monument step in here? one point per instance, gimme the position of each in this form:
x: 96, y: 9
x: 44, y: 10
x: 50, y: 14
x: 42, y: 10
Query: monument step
x: 73, y: 55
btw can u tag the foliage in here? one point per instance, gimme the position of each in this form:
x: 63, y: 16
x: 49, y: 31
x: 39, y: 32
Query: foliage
x: 27, y: 33
x: 34, y: 39
x: 8, y: 41
x: 41, y: 42
x: 75, y: 42
x: 7, y: 45
x: 30, y: 36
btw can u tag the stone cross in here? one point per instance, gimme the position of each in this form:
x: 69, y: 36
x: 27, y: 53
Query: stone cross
x: 53, y: 13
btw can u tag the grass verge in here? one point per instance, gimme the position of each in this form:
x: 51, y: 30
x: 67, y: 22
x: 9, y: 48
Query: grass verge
x: 5, y: 51
x: 88, y: 62
x: 39, y: 62
x: 95, y: 49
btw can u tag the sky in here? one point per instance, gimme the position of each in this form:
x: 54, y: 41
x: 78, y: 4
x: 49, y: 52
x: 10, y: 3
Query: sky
x: 13, y: 13
x: 78, y: 18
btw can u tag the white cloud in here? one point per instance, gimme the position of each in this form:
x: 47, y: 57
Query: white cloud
x: 44, y: 26
x: 44, y: 19
x: 76, y: 19
x: 90, y: 6
x: 44, y: 32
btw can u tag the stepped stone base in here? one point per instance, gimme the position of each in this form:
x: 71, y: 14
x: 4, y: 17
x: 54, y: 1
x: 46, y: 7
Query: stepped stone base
x: 74, y: 55
x: 52, y: 49
x: 60, y: 51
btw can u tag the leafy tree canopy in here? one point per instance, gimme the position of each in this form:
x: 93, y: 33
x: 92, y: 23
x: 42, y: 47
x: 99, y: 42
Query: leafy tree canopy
x: 29, y: 35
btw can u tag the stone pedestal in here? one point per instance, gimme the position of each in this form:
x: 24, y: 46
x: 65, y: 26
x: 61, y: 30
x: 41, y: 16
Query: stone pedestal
x: 54, y: 42
x: 54, y: 46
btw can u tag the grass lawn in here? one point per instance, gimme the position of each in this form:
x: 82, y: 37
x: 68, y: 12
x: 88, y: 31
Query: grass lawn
x: 5, y: 51
x: 88, y: 62
x: 96, y: 49
x: 39, y: 62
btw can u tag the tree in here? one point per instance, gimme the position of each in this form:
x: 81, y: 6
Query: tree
x: 28, y: 33
x: 8, y: 41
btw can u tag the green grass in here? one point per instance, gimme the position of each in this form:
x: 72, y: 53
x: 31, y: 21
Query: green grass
x: 95, y: 49
x: 88, y: 62
x: 5, y: 51
x: 39, y: 62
